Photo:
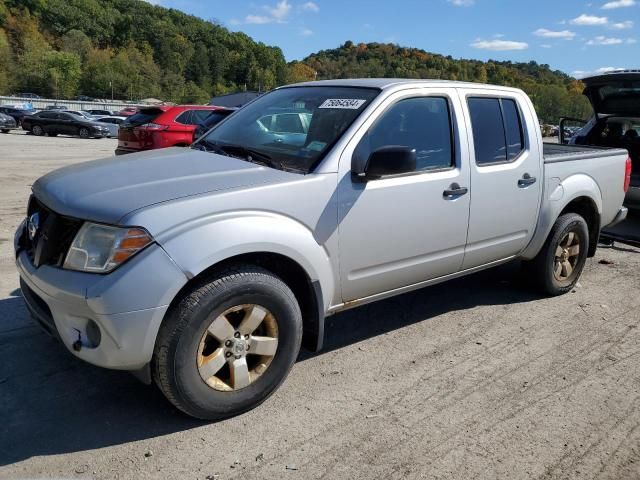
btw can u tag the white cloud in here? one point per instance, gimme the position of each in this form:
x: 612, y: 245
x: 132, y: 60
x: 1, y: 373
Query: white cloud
x: 499, y: 45
x: 631, y: 41
x: 545, y: 45
x: 280, y: 11
x: 566, y: 34
x: 589, y: 20
x: 602, y: 40
x: 306, y: 32
x: 618, y: 4
x: 311, y: 7
x: 257, y: 19
x: 622, y: 25
x: 462, y: 3
x: 274, y: 14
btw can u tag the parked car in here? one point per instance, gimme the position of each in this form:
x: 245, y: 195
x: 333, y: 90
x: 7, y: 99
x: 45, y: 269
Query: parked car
x: 161, y: 127
x: 206, y: 268
x: 127, y: 111
x: 17, y: 113
x: 84, y: 98
x: 112, y: 123
x: 7, y: 123
x: 100, y: 113
x: 215, y: 117
x: 30, y: 96
x: 615, y: 98
x: 55, y: 107
x: 55, y: 123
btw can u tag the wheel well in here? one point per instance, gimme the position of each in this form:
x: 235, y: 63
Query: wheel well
x: 586, y: 208
x: 307, y: 293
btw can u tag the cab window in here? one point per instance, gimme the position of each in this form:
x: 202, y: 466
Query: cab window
x: 421, y: 123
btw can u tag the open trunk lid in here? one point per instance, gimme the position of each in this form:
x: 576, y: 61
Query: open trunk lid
x: 616, y: 93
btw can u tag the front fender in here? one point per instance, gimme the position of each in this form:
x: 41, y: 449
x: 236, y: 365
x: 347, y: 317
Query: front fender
x: 200, y: 244
x: 558, y: 194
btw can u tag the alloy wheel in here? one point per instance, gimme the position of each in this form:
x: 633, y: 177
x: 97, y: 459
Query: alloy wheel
x: 566, y: 257
x: 237, y: 347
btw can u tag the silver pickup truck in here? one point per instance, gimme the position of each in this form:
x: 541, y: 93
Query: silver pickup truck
x: 205, y: 269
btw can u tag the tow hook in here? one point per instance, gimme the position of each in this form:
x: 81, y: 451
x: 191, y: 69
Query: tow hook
x: 77, y: 345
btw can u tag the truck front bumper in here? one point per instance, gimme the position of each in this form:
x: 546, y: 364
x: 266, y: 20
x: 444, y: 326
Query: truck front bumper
x: 108, y: 320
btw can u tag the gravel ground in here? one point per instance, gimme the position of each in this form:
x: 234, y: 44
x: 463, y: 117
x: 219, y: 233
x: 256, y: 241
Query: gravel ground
x: 475, y: 378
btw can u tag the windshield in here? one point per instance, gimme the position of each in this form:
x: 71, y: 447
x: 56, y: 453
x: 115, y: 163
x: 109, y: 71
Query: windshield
x: 290, y: 128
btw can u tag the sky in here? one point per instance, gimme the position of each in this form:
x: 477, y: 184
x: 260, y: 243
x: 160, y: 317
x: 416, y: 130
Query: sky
x: 577, y: 37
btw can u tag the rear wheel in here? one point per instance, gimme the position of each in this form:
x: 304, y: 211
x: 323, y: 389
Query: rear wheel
x: 558, y: 266
x: 228, y: 344
x: 83, y: 132
x: 37, y: 130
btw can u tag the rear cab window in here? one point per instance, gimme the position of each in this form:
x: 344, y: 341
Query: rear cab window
x: 497, y: 129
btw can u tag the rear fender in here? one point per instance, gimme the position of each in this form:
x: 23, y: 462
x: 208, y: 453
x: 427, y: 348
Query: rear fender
x: 557, y: 195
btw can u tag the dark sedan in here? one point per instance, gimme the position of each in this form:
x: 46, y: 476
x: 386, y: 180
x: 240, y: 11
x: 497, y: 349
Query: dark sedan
x: 7, y: 123
x: 17, y: 113
x: 54, y: 123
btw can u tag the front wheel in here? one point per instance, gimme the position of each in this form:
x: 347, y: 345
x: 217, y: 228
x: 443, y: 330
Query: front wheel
x: 228, y: 344
x: 83, y: 132
x: 558, y: 266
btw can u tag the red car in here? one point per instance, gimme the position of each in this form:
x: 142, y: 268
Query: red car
x: 127, y: 111
x: 161, y: 127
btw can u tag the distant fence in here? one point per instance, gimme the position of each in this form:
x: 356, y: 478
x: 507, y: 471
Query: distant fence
x: 42, y: 103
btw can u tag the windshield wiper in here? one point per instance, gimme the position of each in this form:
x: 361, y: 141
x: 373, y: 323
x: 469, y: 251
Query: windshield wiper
x: 239, y: 151
x: 207, y: 146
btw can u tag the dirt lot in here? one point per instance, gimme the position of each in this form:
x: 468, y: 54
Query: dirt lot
x: 477, y: 378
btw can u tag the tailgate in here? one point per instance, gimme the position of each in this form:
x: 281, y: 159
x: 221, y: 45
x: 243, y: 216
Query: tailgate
x: 130, y: 136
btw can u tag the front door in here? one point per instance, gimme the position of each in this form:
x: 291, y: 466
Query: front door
x: 506, y: 176
x: 401, y: 230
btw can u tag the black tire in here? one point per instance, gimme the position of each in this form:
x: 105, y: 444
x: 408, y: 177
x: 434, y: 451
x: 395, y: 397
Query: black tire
x: 5, y: 130
x: 543, y: 266
x: 84, y: 132
x: 37, y: 130
x: 174, y: 363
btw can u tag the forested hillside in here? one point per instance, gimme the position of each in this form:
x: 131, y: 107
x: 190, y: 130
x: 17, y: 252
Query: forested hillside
x: 66, y: 47
x: 554, y: 93
x: 133, y: 49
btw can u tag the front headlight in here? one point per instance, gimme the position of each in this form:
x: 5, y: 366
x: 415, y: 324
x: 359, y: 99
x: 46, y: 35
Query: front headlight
x: 101, y: 248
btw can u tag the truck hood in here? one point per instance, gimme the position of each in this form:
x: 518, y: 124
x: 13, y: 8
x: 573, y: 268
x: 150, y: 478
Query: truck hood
x: 614, y: 93
x: 107, y: 190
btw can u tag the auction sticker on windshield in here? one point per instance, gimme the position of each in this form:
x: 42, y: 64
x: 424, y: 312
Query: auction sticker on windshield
x: 348, y: 103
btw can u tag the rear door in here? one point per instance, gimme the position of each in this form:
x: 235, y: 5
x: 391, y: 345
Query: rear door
x: 506, y: 175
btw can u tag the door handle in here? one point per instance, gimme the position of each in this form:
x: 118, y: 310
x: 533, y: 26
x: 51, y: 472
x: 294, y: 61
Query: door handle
x: 454, y: 191
x: 526, y: 180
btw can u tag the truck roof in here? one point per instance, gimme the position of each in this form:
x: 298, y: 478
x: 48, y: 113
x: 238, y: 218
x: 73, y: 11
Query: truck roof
x: 385, y: 83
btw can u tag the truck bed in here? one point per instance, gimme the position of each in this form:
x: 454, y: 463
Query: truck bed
x: 554, y: 152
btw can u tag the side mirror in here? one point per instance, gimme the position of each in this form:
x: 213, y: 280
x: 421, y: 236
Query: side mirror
x: 389, y: 160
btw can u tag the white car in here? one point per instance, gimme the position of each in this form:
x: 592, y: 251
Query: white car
x: 112, y: 123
